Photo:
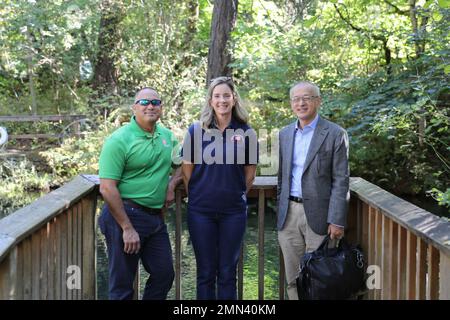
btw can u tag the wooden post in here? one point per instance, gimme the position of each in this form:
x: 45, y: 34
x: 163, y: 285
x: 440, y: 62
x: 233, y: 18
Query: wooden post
x: 43, y: 280
x: 35, y: 265
x: 401, y: 263
x: 64, y: 255
x: 444, y: 277
x: 386, y: 253
x: 89, y: 244
x: 421, y: 271
x: 393, y: 258
x: 27, y: 269
x: 379, y: 249
x: 411, y: 247
x: 433, y: 273
x: 9, y: 276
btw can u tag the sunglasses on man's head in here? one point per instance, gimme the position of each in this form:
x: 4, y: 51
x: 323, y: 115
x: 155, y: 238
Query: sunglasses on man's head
x: 146, y: 102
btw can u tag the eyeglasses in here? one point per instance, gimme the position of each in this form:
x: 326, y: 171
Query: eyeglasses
x: 304, y: 98
x: 146, y: 102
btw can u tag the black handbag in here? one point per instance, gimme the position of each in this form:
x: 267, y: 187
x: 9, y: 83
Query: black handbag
x: 332, y: 273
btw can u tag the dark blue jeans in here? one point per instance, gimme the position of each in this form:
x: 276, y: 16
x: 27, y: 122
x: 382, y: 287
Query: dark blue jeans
x: 217, y: 239
x: 155, y: 254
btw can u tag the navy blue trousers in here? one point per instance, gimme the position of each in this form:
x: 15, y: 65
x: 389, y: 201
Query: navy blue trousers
x: 216, y: 239
x: 155, y: 254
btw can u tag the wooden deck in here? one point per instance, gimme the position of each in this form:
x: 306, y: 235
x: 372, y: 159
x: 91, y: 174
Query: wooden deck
x: 410, y: 246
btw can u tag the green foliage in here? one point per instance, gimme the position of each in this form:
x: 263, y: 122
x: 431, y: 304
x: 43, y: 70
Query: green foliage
x: 443, y: 197
x: 274, y: 44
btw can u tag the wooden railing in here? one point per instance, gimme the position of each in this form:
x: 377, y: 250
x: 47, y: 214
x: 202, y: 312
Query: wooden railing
x: 39, y: 242
x: 75, y: 121
x: 410, y: 246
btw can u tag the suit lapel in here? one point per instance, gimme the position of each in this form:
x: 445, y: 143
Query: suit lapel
x: 320, y: 133
x: 290, y: 148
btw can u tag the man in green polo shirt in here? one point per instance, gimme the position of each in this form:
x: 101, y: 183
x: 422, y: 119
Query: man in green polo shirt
x: 134, y: 169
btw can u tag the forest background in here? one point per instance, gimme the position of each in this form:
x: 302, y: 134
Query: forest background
x: 382, y: 66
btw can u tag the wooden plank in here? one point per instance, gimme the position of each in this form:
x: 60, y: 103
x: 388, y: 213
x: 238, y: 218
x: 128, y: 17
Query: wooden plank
x: 34, y: 136
x: 365, y: 236
x: 35, y: 265
x: 359, y: 221
x: 58, y: 258
x: 27, y: 220
x: 27, y: 269
x: 51, y: 260
x: 43, y: 280
x: 265, y: 182
x: 385, y: 258
x: 75, y: 240
x: 411, y: 250
x: 19, y: 294
x: 69, y: 246
x: 80, y: 215
x: 240, y: 273
x: 444, y: 278
x: 64, y: 255
x: 178, y: 253
x: 77, y: 244
x: 421, y: 270
x: 393, y: 259
x: 351, y: 231
x: 379, y: 248
x: 261, y: 209
x: 89, y: 265
x: 401, y: 263
x: 365, y: 228
x: 371, y: 246
x: 422, y: 223
x: 433, y: 273
x: 9, y: 276
x: 34, y: 118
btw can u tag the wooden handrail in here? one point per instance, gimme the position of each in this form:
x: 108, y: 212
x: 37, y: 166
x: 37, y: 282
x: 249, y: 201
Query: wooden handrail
x: 30, y: 118
x: 409, y: 245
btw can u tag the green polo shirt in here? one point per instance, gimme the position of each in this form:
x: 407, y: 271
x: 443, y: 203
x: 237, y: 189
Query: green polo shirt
x: 140, y: 161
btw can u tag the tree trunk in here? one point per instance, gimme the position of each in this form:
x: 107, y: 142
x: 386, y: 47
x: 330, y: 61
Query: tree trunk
x: 105, y: 71
x: 219, y: 56
x: 415, y: 29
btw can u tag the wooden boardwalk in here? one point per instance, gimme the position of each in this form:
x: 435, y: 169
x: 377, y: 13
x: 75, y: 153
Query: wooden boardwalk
x: 410, y: 246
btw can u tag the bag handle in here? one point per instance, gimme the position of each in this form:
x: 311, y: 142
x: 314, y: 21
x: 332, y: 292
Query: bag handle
x: 342, y: 244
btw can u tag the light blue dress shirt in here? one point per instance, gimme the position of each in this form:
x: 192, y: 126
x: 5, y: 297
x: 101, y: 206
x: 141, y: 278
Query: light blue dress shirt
x: 302, y: 141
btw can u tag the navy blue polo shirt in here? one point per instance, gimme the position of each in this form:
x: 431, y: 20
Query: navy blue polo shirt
x: 217, y: 183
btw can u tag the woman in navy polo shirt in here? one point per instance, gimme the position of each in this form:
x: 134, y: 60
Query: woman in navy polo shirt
x: 219, y: 164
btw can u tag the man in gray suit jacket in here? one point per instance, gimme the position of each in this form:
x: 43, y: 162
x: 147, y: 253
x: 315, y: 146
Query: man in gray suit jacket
x: 313, y: 181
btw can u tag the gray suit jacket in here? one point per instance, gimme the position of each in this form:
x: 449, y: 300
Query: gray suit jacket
x: 325, y: 180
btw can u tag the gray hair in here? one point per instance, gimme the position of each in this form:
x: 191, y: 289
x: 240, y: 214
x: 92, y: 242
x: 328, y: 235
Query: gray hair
x: 239, y: 112
x: 305, y: 83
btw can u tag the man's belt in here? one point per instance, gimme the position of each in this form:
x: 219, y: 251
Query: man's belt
x: 296, y: 199
x: 132, y: 204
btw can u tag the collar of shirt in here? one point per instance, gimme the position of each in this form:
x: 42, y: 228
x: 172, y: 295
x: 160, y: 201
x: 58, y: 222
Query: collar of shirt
x: 232, y: 125
x: 139, y: 132
x: 310, y: 126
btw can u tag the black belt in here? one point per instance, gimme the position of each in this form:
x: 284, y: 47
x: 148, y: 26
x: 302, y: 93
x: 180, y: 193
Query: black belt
x: 135, y: 205
x: 296, y: 199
